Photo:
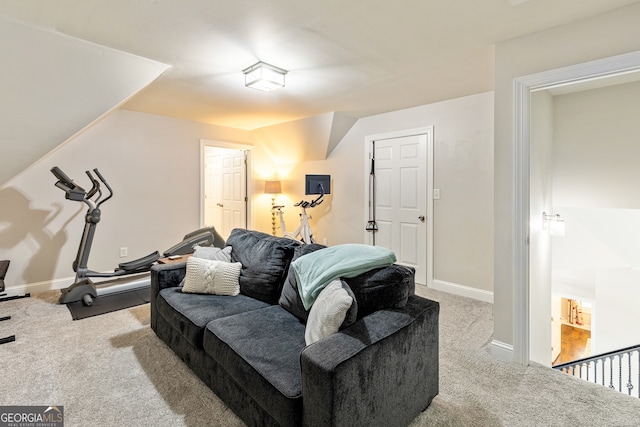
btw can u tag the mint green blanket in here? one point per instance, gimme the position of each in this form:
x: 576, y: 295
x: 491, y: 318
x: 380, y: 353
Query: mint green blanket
x: 317, y: 269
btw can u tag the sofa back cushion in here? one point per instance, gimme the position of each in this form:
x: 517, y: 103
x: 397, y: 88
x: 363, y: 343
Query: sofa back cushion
x: 265, y: 262
x: 380, y: 288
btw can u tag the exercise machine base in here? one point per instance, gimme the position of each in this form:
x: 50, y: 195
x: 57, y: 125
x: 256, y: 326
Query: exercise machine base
x: 86, y: 290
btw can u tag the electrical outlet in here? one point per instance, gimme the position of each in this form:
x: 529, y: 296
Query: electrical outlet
x: 123, y: 252
x: 436, y: 194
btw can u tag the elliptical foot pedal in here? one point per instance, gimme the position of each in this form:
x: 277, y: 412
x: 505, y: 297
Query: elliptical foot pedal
x: 140, y: 263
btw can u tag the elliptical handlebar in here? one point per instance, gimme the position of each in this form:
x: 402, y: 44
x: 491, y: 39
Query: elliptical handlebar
x: 95, y: 188
x: 106, y: 184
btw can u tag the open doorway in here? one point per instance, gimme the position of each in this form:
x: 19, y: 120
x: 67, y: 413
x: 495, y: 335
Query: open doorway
x: 589, y: 183
x: 225, y: 186
x: 533, y: 297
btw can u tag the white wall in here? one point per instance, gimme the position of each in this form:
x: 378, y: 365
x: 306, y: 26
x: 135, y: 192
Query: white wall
x: 603, y: 36
x: 463, y: 162
x: 597, y: 150
x: 153, y: 165
x: 617, y: 307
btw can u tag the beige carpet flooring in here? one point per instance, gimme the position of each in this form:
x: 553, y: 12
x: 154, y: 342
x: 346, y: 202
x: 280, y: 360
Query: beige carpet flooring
x: 112, y: 370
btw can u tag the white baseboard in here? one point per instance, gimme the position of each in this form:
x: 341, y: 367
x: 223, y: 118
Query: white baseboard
x: 463, y: 291
x: 36, y: 287
x: 502, y: 351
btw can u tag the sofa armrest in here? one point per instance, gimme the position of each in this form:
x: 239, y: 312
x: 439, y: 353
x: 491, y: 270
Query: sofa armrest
x: 167, y: 275
x: 381, y: 371
x: 164, y: 276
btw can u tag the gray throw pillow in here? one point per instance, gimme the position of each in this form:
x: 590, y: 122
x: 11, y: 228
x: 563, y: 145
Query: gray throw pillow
x: 212, y: 253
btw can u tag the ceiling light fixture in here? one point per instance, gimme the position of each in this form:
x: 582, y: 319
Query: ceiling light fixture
x: 264, y: 77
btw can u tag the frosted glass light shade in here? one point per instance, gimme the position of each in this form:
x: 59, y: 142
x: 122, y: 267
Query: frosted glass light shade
x: 554, y: 223
x: 556, y: 227
x: 264, y: 77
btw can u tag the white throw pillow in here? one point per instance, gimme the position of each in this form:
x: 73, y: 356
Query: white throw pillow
x: 212, y: 277
x: 327, y: 312
x: 210, y: 253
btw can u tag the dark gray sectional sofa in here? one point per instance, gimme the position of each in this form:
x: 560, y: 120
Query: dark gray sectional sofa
x: 250, y: 349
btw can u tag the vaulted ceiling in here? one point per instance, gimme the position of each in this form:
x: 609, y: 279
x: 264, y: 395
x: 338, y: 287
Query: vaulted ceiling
x: 356, y: 58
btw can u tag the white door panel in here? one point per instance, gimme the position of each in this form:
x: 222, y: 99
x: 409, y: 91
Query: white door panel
x: 238, y: 219
x: 409, y: 196
x: 409, y: 242
x: 383, y: 236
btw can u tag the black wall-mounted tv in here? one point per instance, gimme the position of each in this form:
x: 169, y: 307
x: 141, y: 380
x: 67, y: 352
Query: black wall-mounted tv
x: 314, y: 184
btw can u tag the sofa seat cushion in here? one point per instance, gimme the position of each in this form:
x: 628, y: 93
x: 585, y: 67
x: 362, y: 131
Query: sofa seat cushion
x: 190, y: 313
x: 261, y: 350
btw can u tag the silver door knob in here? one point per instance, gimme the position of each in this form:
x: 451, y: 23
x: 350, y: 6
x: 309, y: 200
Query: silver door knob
x: 421, y: 218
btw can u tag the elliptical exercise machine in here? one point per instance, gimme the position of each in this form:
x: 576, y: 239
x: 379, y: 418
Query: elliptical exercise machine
x: 83, y: 289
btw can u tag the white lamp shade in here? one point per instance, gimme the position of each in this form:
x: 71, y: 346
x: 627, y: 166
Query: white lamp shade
x: 272, y: 187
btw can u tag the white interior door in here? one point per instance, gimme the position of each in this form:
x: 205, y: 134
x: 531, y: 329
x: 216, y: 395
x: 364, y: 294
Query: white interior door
x: 225, y: 198
x: 233, y: 179
x: 402, y: 213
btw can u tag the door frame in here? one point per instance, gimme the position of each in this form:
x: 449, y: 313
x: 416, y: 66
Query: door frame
x: 428, y: 131
x: 248, y: 170
x: 522, y: 90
